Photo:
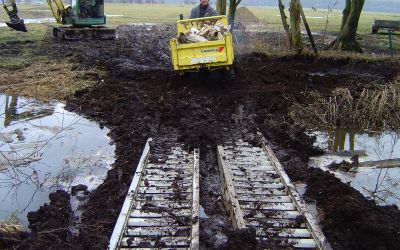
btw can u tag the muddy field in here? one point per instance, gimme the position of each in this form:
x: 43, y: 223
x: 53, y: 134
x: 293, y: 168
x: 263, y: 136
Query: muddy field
x: 140, y: 97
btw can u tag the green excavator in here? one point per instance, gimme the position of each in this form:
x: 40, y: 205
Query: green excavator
x: 85, y: 19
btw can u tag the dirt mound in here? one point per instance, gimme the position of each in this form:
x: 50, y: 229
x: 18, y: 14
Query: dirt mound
x: 50, y: 225
x: 245, y: 16
x: 349, y: 220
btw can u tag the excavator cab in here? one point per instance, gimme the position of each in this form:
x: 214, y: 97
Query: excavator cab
x: 15, y: 23
x: 83, y: 13
x: 85, y: 18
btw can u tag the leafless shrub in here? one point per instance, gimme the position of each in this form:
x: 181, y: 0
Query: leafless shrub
x: 377, y: 108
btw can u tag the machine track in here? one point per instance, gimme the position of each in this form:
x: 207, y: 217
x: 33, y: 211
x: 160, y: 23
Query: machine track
x: 259, y: 195
x: 84, y: 33
x: 161, y: 209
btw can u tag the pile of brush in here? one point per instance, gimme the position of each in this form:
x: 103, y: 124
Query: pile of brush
x: 204, y: 34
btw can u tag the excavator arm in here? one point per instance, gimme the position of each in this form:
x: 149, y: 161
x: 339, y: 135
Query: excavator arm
x: 58, y: 9
x: 15, y: 23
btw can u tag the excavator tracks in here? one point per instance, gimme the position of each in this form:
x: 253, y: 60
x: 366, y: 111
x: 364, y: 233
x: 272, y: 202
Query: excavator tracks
x: 161, y: 209
x: 72, y: 33
x: 259, y: 195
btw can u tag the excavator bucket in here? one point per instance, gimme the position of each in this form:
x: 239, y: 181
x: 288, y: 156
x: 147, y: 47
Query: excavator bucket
x: 17, y: 25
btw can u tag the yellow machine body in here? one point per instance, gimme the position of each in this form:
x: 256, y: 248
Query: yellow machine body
x: 209, y: 55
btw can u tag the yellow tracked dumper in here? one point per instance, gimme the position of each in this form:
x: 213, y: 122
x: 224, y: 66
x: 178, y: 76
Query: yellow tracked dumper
x: 209, y: 55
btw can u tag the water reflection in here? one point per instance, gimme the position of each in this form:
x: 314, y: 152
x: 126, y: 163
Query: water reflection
x: 337, y: 139
x: 11, y: 114
x: 43, y: 148
x: 375, y: 176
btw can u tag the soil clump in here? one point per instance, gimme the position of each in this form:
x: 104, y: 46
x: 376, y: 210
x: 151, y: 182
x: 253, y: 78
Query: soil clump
x: 245, y: 16
x: 51, y: 225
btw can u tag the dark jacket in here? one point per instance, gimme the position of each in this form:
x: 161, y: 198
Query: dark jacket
x: 195, y: 13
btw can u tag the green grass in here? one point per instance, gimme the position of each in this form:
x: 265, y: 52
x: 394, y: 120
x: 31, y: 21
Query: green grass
x: 36, y: 33
x: 27, y: 40
x: 147, y: 13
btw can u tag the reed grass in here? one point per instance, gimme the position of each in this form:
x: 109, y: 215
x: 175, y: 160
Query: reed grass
x: 376, y: 109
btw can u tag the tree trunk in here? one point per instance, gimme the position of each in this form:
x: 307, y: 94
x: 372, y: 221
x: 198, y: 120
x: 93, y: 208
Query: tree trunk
x: 284, y: 22
x: 309, y: 33
x: 295, y: 26
x: 221, y: 7
x: 346, y: 39
x: 346, y: 12
x: 233, y: 4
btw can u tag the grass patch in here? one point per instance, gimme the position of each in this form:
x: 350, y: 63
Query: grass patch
x: 47, y: 80
x: 317, y: 18
x: 36, y: 33
x: 17, y: 48
x: 145, y: 13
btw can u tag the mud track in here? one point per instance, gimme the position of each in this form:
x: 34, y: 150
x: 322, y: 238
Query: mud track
x: 142, y: 98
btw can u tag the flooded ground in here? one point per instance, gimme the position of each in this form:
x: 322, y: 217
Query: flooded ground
x: 378, y: 173
x: 34, y: 20
x: 43, y: 148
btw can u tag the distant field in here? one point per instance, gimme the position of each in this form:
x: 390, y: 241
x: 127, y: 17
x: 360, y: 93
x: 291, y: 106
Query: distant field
x: 168, y: 13
x: 317, y: 19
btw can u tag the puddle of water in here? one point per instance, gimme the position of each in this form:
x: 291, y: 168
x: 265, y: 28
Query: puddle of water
x: 379, y: 182
x: 39, y: 10
x: 203, y: 214
x: 43, y: 148
x: 115, y: 15
x: 34, y: 20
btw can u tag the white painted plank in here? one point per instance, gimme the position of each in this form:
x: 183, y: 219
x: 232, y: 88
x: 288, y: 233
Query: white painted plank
x: 133, y: 188
x: 164, y: 197
x: 158, y: 231
x: 161, y: 205
x: 270, y: 214
x: 228, y: 190
x: 320, y: 239
x: 195, y: 232
x: 259, y: 186
x: 169, y: 183
x: 284, y: 232
x: 142, y: 214
x: 163, y: 190
x: 158, y: 222
x: 155, y: 242
x: 264, y: 199
x: 268, y: 206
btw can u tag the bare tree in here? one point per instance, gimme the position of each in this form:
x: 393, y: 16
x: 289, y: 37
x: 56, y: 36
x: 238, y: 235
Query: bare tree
x: 284, y: 21
x: 221, y: 7
x: 346, y: 39
x: 233, y: 4
x: 295, y: 20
